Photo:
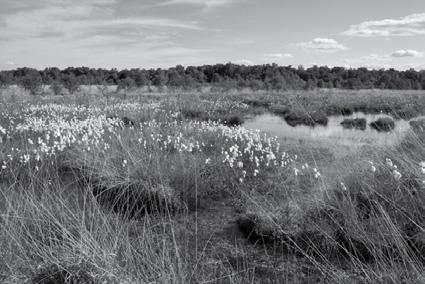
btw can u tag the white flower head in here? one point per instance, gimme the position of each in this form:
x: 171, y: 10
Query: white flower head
x: 397, y: 175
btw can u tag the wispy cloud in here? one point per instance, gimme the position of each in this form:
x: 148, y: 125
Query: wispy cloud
x: 397, y: 60
x: 92, y: 32
x: 407, y: 26
x: 406, y: 53
x: 322, y: 45
x: 78, y: 20
x: 151, y: 23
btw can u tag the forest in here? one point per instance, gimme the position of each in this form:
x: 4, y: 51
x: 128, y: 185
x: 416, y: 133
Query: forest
x: 226, y: 76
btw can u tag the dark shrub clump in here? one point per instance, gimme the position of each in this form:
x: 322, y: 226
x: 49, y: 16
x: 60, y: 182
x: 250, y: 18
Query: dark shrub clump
x: 233, y: 120
x: 346, y: 111
x: 383, y: 124
x: 309, y: 119
x: 356, y: 123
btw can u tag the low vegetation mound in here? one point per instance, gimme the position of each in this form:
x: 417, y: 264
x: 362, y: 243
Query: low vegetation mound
x: 418, y: 125
x: 296, y: 117
x: 354, y: 123
x: 384, y: 124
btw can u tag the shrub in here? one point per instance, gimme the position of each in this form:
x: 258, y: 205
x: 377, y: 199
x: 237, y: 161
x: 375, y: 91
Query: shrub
x: 71, y: 83
x: 384, y: 124
x: 233, y: 120
x: 294, y: 118
x: 56, y: 88
x: 356, y: 123
x: 32, y: 82
x: 346, y: 111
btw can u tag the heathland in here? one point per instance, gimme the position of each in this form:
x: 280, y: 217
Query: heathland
x: 125, y: 186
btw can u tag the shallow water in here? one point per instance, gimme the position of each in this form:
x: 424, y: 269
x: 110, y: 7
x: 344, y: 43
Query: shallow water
x: 333, y: 132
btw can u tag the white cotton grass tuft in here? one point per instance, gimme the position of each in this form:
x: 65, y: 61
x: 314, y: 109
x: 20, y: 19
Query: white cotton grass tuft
x: 422, y: 165
x: 397, y: 175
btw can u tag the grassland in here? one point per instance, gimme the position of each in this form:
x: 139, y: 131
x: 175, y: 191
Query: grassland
x: 168, y: 188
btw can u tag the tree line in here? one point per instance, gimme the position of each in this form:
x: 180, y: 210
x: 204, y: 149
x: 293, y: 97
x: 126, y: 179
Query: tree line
x: 228, y: 76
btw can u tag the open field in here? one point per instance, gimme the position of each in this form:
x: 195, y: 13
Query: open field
x: 172, y: 188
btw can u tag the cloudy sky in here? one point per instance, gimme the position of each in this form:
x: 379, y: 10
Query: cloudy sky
x: 163, y: 33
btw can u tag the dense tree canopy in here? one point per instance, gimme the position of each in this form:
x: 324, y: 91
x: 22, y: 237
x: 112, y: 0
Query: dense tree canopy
x: 268, y: 77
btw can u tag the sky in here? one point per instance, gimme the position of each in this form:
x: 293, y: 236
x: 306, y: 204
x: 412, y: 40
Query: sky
x: 163, y: 33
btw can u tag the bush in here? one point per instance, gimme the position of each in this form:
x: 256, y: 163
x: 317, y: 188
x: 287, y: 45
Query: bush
x: 31, y: 82
x: 233, y: 120
x: 346, y: 111
x: 294, y: 118
x: 56, y: 88
x: 384, y: 124
x: 71, y: 83
x: 356, y: 123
